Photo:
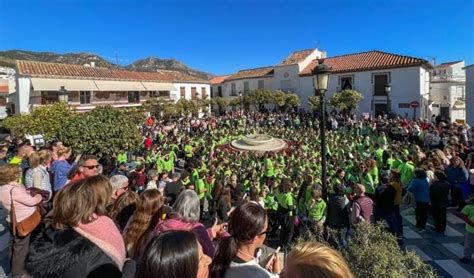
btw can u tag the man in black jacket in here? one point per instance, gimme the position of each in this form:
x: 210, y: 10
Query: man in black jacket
x: 439, y: 191
x: 172, y: 189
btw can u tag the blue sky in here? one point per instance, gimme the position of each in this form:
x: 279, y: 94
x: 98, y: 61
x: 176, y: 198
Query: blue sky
x: 227, y: 35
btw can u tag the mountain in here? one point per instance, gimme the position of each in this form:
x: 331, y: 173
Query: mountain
x: 153, y: 64
x: 7, y: 59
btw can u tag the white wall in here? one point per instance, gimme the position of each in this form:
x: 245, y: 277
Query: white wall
x: 406, y: 86
x: 22, y: 97
x: 470, y: 94
x: 176, y: 94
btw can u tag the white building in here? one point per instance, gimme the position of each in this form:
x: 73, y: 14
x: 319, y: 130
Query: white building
x: 39, y: 83
x: 7, y: 89
x: 469, y: 94
x: 367, y: 72
x: 447, y: 90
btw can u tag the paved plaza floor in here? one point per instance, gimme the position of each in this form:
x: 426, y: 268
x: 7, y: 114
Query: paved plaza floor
x: 441, y: 252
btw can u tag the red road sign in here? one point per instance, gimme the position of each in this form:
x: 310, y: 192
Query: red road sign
x: 414, y: 104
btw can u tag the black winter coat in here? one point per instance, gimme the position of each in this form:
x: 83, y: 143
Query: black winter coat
x: 439, y: 191
x: 66, y: 253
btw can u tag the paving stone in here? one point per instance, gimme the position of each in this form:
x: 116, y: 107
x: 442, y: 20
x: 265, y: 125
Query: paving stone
x: 455, y: 248
x: 409, y: 233
x: 453, y: 219
x: 453, y: 268
x: 419, y: 252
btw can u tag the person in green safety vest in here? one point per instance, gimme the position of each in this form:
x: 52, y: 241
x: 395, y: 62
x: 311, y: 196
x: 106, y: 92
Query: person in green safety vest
x: 363, y: 177
x: 317, y: 210
x: 337, y: 180
x: 286, y: 212
x: 407, y: 170
x: 122, y: 158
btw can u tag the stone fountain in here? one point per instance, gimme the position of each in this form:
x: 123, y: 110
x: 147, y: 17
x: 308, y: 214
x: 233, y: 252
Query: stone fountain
x: 259, y: 143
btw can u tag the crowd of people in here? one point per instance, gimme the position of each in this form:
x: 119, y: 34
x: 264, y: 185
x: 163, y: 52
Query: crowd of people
x: 187, y: 204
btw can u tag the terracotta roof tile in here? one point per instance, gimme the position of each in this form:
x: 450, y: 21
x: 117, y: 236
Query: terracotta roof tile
x: 371, y: 60
x: 41, y: 69
x: 218, y: 79
x: 297, y: 57
x: 447, y: 64
x: 251, y: 73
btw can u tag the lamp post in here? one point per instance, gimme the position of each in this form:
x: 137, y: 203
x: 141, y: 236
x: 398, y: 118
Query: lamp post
x: 387, y: 90
x: 320, y: 81
x: 241, y: 103
x: 63, y: 95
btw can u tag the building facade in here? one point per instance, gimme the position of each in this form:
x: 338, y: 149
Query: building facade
x: 39, y: 83
x: 447, y: 91
x: 469, y: 94
x: 370, y: 73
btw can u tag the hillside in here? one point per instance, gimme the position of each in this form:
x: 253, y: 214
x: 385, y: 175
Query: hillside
x: 7, y: 59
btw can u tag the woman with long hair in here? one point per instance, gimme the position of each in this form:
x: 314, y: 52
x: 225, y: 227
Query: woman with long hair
x: 235, y: 256
x: 224, y: 204
x: 174, y: 254
x: 457, y: 176
x: 37, y: 176
x: 24, y: 207
x: 82, y: 241
x: 123, y: 208
x: 148, y: 214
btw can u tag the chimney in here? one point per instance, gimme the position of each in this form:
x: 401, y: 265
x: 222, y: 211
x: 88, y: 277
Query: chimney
x: 93, y: 64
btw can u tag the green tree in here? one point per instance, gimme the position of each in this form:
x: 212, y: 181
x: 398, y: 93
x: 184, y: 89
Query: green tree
x: 346, y: 100
x: 104, y: 130
x: 279, y: 99
x: 46, y: 120
x: 292, y: 100
x: 220, y: 102
x: 313, y: 102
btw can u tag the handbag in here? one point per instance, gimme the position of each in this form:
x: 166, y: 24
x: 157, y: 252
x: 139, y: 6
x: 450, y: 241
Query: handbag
x: 28, y: 224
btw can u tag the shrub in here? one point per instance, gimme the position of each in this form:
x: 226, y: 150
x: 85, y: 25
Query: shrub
x: 373, y: 252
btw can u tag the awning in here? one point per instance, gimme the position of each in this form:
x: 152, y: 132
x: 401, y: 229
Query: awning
x: 54, y: 84
x: 157, y: 86
x: 118, y: 85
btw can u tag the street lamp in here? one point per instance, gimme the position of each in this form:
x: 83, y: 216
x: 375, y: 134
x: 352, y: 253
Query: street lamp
x: 63, y: 95
x: 241, y: 103
x: 320, y: 82
x: 387, y: 90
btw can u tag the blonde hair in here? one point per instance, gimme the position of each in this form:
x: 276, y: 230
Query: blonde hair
x: 312, y: 259
x: 62, y: 150
x: 38, y: 158
x: 9, y: 173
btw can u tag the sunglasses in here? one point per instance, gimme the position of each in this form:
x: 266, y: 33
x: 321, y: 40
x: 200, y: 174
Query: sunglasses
x: 90, y: 167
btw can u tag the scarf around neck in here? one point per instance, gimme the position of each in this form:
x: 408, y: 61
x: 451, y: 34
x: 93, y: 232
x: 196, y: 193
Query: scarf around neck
x: 104, y: 233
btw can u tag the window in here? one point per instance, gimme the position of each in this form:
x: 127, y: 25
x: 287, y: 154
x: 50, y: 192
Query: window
x: 380, y: 82
x: 134, y: 97
x: 193, y: 93
x: 246, y: 87
x: 286, y: 85
x: 203, y: 92
x: 164, y: 94
x: 153, y: 94
x: 233, y: 91
x: 219, y: 91
x: 182, y: 92
x: 85, y: 97
x: 261, y: 84
x: 212, y: 92
x: 346, y: 82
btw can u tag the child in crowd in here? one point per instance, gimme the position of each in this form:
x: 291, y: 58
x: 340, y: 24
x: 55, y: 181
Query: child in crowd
x: 467, y: 215
x: 317, y: 210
